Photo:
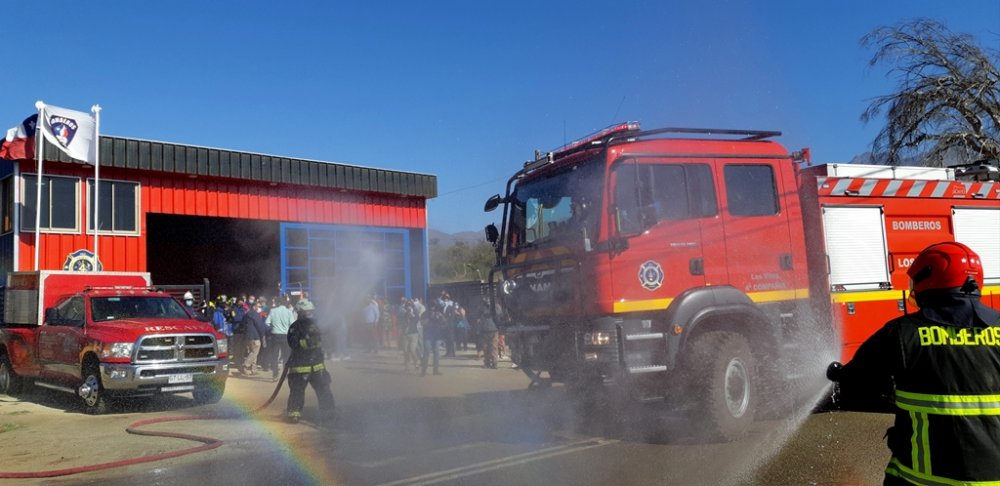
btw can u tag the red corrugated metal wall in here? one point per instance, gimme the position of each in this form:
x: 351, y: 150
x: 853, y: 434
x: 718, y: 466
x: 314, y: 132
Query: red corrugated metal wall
x: 214, y: 197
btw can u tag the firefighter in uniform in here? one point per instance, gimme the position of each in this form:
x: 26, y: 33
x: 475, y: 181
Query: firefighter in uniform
x: 305, y: 365
x: 941, y: 365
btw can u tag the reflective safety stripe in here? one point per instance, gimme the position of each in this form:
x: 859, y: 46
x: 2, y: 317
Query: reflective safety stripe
x: 948, y: 404
x: 920, y: 449
x: 307, y: 368
x: 895, y: 468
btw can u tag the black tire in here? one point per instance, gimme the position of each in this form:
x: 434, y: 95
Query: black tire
x: 10, y: 383
x: 209, y: 393
x: 724, y: 383
x: 91, y: 391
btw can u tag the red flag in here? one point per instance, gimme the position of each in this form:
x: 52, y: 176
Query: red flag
x: 20, y: 141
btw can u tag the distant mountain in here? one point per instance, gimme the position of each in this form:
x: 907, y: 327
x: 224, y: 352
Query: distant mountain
x: 440, y: 238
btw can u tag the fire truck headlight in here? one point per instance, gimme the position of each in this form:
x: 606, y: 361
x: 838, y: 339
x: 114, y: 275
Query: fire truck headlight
x: 509, y: 286
x: 117, y: 350
x: 223, y: 346
x: 597, y: 338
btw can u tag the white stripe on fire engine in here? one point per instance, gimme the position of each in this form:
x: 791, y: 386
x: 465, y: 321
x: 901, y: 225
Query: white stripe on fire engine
x: 894, y: 185
x: 841, y: 186
x: 939, y: 190
x: 867, y: 187
x: 916, y: 188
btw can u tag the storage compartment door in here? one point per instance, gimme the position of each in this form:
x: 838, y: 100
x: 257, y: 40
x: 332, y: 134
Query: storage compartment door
x: 856, y: 248
x: 980, y: 229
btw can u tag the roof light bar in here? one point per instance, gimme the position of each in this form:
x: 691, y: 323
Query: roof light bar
x: 598, y: 137
x: 594, y: 139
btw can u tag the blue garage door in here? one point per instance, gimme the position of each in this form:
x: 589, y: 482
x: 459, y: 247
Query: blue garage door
x: 348, y: 261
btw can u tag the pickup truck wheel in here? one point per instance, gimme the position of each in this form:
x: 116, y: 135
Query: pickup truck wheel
x: 723, y: 376
x: 92, y: 392
x: 10, y: 383
x: 208, y: 394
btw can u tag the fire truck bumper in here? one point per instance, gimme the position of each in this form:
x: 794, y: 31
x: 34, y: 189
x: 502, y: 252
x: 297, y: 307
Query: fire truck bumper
x: 151, y: 379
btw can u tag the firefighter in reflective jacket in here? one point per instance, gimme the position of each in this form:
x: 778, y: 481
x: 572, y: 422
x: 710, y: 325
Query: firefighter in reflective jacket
x: 305, y: 365
x: 941, y: 365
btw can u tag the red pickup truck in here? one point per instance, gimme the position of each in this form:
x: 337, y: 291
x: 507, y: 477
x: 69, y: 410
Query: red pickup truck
x: 105, y: 336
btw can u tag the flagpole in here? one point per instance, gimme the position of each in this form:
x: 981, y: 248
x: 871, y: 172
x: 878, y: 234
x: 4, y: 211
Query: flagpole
x: 96, y: 109
x: 38, y: 178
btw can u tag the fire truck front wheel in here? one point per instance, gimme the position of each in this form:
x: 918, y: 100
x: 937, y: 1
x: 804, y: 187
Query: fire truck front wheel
x: 95, y: 402
x: 723, y: 380
x: 10, y: 383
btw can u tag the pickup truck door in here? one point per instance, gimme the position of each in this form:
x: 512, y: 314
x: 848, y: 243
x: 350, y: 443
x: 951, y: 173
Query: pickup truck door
x: 60, y: 341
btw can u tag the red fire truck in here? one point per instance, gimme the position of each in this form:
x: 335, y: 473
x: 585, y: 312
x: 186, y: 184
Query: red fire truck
x: 713, y: 268
x: 105, y: 336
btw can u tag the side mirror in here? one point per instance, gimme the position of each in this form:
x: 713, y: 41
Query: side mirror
x: 492, y: 203
x: 492, y: 235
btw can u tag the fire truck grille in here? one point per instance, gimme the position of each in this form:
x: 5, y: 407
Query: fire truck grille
x: 179, y: 348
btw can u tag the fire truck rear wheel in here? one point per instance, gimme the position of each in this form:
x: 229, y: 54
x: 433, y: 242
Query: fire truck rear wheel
x: 92, y: 392
x: 723, y: 375
x: 10, y: 383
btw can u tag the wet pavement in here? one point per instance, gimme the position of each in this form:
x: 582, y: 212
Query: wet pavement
x: 477, y: 426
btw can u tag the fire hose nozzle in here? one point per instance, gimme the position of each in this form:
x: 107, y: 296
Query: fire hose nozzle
x: 833, y: 371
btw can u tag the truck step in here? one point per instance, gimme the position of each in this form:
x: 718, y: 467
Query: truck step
x: 646, y: 369
x: 644, y: 336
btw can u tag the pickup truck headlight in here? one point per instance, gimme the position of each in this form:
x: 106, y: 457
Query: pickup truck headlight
x: 223, y: 345
x: 117, y: 350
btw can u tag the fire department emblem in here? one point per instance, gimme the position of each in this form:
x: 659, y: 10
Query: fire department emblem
x: 63, y: 128
x: 82, y: 261
x: 651, y: 275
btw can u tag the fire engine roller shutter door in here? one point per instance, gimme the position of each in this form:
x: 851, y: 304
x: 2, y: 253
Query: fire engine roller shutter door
x: 980, y: 229
x: 856, y: 247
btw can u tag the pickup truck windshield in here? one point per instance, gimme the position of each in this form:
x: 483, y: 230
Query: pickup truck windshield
x: 136, y: 307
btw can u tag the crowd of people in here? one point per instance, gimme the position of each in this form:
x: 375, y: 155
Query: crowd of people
x: 259, y: 329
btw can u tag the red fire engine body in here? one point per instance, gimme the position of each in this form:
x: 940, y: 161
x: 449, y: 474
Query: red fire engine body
x: 709, y: 269
x: 105, y: 336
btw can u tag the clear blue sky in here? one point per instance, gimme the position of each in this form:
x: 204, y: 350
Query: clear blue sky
x: 463, y: 90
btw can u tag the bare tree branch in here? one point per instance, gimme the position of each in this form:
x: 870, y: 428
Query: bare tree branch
x: 947, y: 102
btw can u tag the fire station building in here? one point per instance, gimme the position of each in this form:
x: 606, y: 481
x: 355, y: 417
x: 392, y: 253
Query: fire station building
x: 244, y: 221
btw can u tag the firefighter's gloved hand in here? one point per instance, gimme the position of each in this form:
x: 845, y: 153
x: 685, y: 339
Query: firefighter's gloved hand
x: 833, y: 372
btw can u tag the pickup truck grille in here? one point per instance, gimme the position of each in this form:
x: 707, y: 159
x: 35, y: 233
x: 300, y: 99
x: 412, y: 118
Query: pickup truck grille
x: 178, y: 348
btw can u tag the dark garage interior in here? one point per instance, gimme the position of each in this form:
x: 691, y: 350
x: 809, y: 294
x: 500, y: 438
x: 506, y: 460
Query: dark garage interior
x: 237, y: 256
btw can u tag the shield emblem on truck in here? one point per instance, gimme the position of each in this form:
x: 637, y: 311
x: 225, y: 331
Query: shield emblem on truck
x: 650, y: 275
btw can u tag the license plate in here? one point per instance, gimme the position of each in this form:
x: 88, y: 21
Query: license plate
x: 185, y: 378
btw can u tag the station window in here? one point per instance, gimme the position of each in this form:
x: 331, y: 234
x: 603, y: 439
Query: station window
x: 118, y: 205
x: 751, y: 190
x: 60, y: 204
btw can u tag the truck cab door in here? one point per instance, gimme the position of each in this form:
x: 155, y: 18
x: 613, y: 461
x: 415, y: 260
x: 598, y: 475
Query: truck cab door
x: 60, y: 340
x: 757, y: 236
x: 657, y: 210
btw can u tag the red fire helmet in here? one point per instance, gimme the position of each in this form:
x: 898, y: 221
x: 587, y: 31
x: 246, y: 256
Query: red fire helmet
x: 946, y: 265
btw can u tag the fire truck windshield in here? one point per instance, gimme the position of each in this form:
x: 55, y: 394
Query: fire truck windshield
x: 557, y: 207
x: 136, y: 307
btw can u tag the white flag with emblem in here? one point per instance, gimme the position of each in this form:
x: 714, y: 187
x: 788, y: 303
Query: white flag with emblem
x: 73, y: 132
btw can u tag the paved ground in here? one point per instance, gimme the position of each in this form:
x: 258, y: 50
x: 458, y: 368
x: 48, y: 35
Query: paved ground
x: 397, y: 428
